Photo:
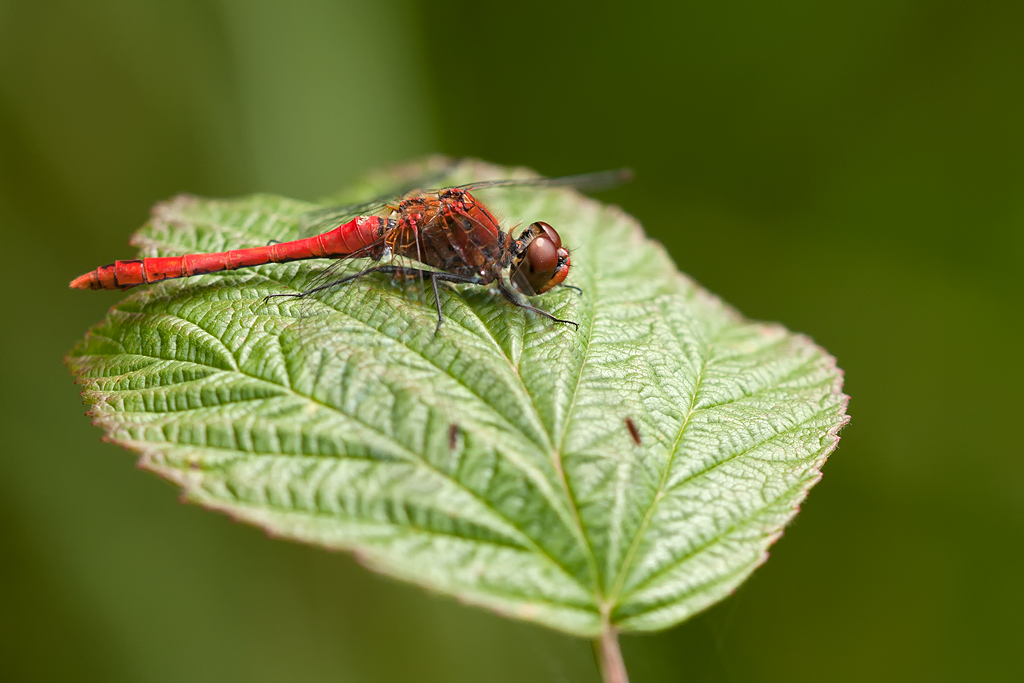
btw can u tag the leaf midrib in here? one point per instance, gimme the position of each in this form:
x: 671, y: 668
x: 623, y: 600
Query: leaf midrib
x: 581, y: 537
x: 620, y: 576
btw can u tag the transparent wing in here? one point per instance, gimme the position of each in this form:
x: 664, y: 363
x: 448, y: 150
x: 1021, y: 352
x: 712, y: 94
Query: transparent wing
x: 601, y: 180
x: 328, y: 218
x: 322, y: 220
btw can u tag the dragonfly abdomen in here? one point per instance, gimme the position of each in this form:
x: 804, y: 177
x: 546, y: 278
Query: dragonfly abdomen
x: 358, y: 235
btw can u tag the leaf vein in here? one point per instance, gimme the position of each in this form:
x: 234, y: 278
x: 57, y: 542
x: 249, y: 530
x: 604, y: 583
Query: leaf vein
x: 533, y: 544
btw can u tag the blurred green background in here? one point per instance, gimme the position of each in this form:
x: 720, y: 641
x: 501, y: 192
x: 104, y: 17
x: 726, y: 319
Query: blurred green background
x: 854, y: 170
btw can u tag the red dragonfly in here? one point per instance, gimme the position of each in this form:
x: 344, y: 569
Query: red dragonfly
x: 448, y: 230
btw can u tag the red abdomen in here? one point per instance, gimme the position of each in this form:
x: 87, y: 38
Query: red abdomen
x: 360, y: 237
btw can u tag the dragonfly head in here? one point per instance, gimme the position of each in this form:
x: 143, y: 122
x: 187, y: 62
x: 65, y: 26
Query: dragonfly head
x: 543, y: 263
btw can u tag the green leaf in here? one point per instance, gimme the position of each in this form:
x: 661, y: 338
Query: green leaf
x: 329, y: 420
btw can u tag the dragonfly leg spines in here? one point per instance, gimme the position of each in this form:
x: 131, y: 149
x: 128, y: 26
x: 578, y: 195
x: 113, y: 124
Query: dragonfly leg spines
x: 515, y: 301
x: 433, y: 275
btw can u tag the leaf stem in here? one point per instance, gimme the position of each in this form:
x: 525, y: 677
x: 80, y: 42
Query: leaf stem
x: 609, y: 656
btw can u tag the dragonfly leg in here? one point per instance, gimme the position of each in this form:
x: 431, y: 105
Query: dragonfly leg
x: 514, y: 300
x: 334, y: 283
x: 437, y: 303
x: 435, y: 277
x: 573, y: 287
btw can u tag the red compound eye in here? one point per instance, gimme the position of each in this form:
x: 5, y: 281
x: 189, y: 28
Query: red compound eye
x: 542, y: 257
x: 545, y: 263
x: 551, y: 233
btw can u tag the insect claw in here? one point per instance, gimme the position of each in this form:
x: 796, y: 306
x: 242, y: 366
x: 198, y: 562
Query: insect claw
x: 268, y: 297
x: 437, y: 302
x: 572, y: 287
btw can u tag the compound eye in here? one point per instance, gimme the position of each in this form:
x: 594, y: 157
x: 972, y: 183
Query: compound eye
x: 542, y: 258
x: 545, y: 263
x: 551, y: 233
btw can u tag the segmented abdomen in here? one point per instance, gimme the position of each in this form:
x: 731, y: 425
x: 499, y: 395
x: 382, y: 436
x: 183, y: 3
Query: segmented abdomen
x: 358, y: 237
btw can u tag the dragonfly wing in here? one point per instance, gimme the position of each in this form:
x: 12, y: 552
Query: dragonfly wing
x: 601, y: 180
x: 322, y: 220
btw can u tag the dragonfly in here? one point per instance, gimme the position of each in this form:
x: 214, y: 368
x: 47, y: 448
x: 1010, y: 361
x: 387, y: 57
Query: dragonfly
x: 447, y: 230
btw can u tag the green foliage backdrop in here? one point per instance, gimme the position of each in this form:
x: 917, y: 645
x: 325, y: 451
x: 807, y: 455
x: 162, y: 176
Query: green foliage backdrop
x: 855, y: 172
